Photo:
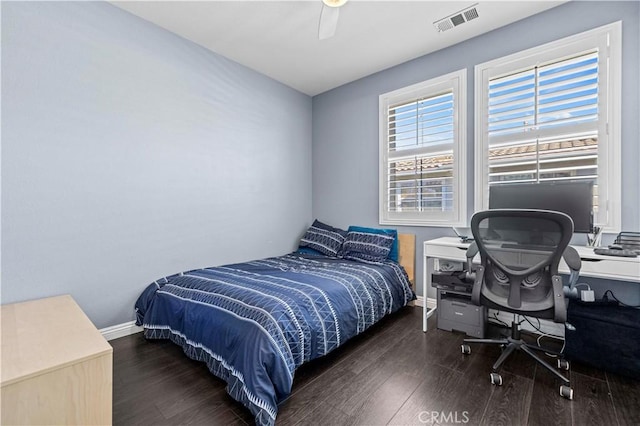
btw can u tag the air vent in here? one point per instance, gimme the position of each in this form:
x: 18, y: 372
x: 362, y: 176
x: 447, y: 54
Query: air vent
x: 470, y: 14
x: 443, y: 25
x: 458, y: 18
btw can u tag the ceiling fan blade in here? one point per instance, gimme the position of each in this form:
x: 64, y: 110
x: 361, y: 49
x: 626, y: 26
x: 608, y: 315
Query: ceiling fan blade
x: 328, y: 22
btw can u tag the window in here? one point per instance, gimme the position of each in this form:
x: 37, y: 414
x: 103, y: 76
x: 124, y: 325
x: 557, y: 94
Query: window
x: 422, y: 153
x: 551, y: 113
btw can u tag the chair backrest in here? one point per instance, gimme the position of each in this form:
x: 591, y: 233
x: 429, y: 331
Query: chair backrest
x: 520, y: 251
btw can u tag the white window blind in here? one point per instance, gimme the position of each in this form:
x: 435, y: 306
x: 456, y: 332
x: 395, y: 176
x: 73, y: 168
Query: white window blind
x: 420, y: 150
x: 547, y: 115
x: 543, y: 123
x: 560, y: 97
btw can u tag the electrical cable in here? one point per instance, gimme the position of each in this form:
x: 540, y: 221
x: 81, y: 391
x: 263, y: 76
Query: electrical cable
x: 604, y: 296
x: 551, y: 336
x: 543, y: 334
x: 588, y: 286
x: 495, y: 316
x: 497, y: 324
x: 537, y: 328
x: 564, y: 342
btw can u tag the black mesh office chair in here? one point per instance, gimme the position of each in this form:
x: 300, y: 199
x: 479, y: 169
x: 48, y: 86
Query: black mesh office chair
x: 520, y: 251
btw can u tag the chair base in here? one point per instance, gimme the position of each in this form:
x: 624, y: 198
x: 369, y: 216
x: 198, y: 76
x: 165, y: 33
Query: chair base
x: 514, y: 343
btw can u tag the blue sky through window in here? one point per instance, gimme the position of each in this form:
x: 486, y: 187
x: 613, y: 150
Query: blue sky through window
x: 424, y: 122
x: 563, y: 93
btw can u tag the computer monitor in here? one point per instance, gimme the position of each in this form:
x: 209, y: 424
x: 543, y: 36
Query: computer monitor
x: 573, y: 198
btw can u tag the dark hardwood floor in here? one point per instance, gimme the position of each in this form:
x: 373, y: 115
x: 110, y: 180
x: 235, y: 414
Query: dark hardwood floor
x: 392, y: 374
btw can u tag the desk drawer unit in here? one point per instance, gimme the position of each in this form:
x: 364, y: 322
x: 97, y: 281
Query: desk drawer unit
x: 447, y: 252
x: 456, y: 312
x: 626, y: 269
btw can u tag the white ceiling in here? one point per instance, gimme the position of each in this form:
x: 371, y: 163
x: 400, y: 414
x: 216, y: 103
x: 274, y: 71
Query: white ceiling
x: 280, y: 38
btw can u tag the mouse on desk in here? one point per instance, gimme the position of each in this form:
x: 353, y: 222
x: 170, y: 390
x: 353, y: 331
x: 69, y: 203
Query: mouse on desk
x: 616, y: 247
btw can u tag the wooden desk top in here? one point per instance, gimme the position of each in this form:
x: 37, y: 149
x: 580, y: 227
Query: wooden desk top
x: 43, y: 335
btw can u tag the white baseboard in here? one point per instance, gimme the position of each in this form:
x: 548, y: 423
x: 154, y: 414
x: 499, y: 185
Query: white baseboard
x: 431, y: 303
x: 120, y: 330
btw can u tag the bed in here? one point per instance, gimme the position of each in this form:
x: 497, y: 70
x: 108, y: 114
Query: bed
x: 255, y: 323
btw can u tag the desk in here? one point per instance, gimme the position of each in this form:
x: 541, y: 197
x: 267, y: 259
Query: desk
x: 593, y: 265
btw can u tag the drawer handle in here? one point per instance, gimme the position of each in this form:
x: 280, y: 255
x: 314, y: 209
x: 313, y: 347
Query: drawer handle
x: 458, y: 304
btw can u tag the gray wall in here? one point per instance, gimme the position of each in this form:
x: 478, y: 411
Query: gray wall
x: 129, y: 153
x: 345, y: 120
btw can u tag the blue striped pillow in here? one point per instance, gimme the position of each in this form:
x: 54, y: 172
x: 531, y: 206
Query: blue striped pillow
x: 393, y: 254
x: 366, y: 246
x: 323, y: 238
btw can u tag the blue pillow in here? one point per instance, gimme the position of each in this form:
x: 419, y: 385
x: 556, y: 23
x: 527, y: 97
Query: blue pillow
x: 393, y: 254
x: 323, y: 238
x: 308, y: 250
x: 367, y: 246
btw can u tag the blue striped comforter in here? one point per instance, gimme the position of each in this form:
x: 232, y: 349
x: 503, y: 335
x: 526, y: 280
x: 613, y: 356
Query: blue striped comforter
x: 254, y: 323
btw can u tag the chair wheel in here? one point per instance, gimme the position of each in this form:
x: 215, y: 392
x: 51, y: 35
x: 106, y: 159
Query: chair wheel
x: 563, y: 364
x: 566, y: 392
x: 496, y: 379
x: 466, y: 349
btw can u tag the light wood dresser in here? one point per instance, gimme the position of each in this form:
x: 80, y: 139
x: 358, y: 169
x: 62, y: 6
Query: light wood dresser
x: 56, y: 367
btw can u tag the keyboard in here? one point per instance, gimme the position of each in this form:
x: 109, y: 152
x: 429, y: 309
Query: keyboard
x: 615, y: 252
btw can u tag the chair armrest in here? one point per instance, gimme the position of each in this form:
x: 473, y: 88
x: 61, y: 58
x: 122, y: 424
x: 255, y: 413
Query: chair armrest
x: 559, y: 302
x: 572, y: 259
x: 477, y: 285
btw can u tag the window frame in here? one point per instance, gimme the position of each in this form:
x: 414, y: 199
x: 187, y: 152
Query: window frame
x: 607, y: 37
x: 457, y: 82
